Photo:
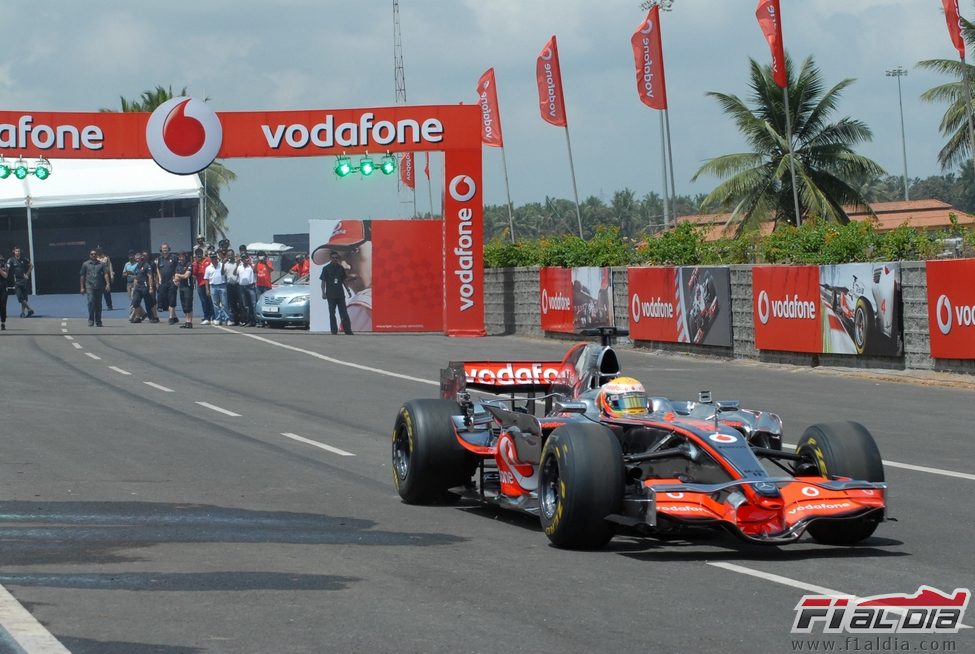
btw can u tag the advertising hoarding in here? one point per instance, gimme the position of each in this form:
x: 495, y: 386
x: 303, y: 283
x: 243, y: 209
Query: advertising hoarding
x: 951, y: 308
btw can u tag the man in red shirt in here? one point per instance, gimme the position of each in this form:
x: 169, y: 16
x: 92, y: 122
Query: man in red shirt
x: 262, y: 271
x: 302, y: 267
x: 199, y: 268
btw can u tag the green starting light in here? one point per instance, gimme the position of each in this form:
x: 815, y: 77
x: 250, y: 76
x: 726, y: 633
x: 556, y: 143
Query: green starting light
x: 343, y: 166
x: 42, y: 172
x: 388, y: 165
x: 20, y: 169
x: 4, y: 170
x: 366, y: 166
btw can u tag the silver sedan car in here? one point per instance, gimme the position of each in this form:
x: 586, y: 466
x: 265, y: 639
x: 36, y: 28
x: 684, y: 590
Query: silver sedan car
x: 286, y: 304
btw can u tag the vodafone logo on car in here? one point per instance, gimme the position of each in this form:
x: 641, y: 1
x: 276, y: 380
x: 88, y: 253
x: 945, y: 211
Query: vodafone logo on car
x: 948, y: 316
x: 184, y: 135
x: 557, y: 302
x: 509, y: 375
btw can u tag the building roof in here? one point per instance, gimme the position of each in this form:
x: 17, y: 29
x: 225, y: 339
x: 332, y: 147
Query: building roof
x: 928, y: 215
x: 98, y: 181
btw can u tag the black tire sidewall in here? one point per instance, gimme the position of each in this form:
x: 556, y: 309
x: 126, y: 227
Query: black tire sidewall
x: 437, y: 461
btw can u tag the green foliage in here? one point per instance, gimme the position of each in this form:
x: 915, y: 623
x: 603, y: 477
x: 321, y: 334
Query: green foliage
x: 682, y: 246
x: 501, y: 253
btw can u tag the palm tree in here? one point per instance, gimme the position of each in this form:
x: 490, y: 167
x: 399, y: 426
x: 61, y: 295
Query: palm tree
x: 213, y: 178
x: 954, y: 124
x: 828, y: 171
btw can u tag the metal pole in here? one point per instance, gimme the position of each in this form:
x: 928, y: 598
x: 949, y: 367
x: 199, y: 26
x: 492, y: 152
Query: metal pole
x: 898, y: 73
x: 30, y: 247
x: 670, y: 163
x: 572, y: 169
x: 429, y: 183
x: 792, y: 157
x: 663, y: 169
x: 507, y: 189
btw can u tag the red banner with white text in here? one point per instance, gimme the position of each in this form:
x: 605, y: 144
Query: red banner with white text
x: 786, y: 308
x: 487, y: 99
x: 548, y: 75
x: 648, y: 57
x: 951, y: 308
x: 769, y: 17
x: 953, y: 18
x: 556, y: 299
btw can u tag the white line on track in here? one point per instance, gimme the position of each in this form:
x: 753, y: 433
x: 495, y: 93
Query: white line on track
x: 302, y: 439
x: 76, y: 346
x: 119, y: 370
x: 70, y: 338
x: 778, y: 579
x: 159, y: 386
x: 218, y: 409
x: 916, y: 468
x: 64, y: 331
x: 93, y: 356
x: 23, y: 628
x: 349, y: 364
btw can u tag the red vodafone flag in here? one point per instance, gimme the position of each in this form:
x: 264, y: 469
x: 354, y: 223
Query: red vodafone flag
x: 953, y: 18
x: 487, y: 99
x: 549, y: 78
x: 406, y: 171
x: 426, y: 166
x: 648, y: 56
x: 770, y: 20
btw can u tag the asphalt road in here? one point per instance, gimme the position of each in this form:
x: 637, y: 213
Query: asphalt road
x: 134, y: 519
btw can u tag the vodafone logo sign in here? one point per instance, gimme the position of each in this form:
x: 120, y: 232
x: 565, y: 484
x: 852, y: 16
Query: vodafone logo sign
x: 460, y: 182
x: 763, y: 308
x: 557, y: 302
x: 184, y: 135
x: 724, y: 439
x: 810, y: 491
x: 944, y: 314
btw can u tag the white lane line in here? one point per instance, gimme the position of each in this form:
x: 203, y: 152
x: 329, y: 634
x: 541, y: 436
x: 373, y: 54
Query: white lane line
x: 349, y: 364
x: 119, y: 370
x: 76, y: 346
x: 70, y: 338
x: 93, y: 356
x: 64, y: 331
x: 218, y: 409
x: 159, y: 386
x: 302, y: 439
x: 23, y: 628
x: 916, y: 468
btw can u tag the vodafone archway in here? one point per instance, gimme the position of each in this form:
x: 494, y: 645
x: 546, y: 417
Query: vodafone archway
x: 184, y: 136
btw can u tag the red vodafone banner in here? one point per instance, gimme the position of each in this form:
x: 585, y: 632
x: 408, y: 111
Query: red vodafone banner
x: 487, y: 98
x: 463, y: 243
x: 407, y: 170
x: 548, y: 75
x: 556, y: 299
x: 953, y: 18
x: 786, y: 303
x: 653, y: 306
x: 769, y: 17
x: 648, y: 56
x: 951, y: 308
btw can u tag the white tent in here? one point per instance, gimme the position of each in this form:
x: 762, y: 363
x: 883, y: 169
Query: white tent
x: 97, y: 181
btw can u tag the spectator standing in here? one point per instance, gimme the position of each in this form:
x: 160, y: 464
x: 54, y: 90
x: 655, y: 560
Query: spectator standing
x: 127, y: 271
x: 201, y: 244
x: 200, y: 263
x: 94, y: 279
x: 217, y: 289
x: 150, y: 298
x: 333, y: 290
x: 302, y: 267
x: 19, y: 267
x: 230, y: 268
x: 262, y: 271
x: 141, y: 288
x: 185, y: 281
x: 4, y: 274
x: 105, y: 259
x: 165, y: 270
x: 247, y: 279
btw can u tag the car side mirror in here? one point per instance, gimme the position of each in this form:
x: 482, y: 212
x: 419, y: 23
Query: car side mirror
x: 570, y: 406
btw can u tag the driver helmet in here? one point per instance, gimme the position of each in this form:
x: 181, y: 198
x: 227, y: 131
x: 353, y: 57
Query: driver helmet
x: 621, y: 397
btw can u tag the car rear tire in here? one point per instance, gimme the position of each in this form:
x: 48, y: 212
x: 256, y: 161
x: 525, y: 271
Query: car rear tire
x: 581, y: 481
x: 427, y: 459
x: 842, y: 449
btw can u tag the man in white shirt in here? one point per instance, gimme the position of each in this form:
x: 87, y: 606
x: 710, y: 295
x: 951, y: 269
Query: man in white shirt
x: 247, y: 280
x: 217, y: 288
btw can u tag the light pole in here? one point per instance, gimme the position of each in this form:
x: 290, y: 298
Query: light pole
x: 667, y: 155
x: 900, y: 72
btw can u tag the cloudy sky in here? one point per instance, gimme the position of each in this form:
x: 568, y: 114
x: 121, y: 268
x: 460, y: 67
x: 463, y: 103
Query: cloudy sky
x: 319, y: 54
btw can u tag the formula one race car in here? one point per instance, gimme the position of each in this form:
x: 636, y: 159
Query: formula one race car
x: 604, y: 458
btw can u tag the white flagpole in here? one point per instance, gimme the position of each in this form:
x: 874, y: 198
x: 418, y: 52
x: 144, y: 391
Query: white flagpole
x: 663, y: 170
x: 507, y: 189
x: 572, y: 169
x: 670, y: 164
x: 792, y: 157
x: 429, y: 183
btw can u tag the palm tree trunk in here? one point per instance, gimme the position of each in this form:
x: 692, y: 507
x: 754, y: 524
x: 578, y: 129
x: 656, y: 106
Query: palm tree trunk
x: 792, y: 157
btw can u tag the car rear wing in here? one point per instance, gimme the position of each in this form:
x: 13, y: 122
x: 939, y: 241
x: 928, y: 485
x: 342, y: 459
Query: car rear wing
x: 499, y: 377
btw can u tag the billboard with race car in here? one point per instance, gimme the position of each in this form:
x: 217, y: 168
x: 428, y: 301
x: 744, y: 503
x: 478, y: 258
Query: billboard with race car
x: 861, y: 309
x: 680, y: 305
x: 573, y: 299
x: 375, y: 255
x: 951, y: 308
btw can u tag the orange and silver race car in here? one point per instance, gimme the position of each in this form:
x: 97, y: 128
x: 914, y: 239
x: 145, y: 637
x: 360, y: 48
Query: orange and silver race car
x: 576, y: 443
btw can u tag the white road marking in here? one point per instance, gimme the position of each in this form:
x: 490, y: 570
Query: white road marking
x: 213, y: 407
x: 302, y: 439
x: 76, y: 346
x: 349, y: 364
x: 93, y: 356
x: 24, y: 629
x: 916, y: 468
x: 159, y: 386
x: 70, y: 338
x: 64, y: 331
x: 119, y: 370
x: 778, y: 579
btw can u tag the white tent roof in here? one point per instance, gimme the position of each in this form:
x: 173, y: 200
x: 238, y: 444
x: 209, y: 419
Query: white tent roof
x: 268, y: 247
x: 98, y: 181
